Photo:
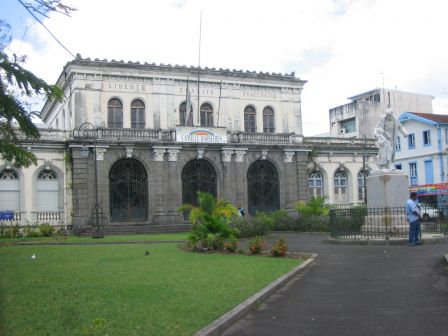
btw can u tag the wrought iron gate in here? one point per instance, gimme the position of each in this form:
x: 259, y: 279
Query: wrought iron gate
x: 128, y: 189
x: 263, y: 187
x: 197, y: 175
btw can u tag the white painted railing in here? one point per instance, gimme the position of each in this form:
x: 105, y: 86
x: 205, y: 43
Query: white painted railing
x: 339, y: 141
x: 152, y: 135
x: 264, y: 138
x: 47, y: 134
x: 139, y: 134
x: 47, y: 216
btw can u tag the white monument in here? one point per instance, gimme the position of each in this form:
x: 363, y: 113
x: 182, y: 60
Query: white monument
x: 387, y: 188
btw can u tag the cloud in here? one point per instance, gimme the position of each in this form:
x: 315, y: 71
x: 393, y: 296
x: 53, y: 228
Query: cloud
x: 340, y: 47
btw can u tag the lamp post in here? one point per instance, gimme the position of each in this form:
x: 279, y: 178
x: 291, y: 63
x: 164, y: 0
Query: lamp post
x: 86, y: 131
x: 364, y: 154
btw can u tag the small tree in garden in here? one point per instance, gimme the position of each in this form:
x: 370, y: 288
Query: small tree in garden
x: 210, y: 221
x: 314, y: 207
x: 279, y: 248
x: 256, y: 245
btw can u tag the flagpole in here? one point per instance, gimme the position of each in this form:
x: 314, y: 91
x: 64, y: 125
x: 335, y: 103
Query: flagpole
x: 189, y: 114
x: 219, y: 102
x: 199, y: 67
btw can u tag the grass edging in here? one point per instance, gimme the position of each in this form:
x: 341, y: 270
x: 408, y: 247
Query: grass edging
x: 218, y: 326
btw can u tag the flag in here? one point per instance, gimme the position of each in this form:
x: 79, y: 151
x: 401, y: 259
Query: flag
x: 188, y: 113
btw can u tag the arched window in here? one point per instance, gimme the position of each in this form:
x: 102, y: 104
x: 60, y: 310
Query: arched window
x: 137, y: 114
x: 315, y: 184
x: 183, y: 118
x: 249, y: 119
x: 206, y: 115
x: 268, y: 120
x: 340, y: 186
x: 115, y: 113
x: 9, y: 190
x: 47, y: 189
x: 361, y: 184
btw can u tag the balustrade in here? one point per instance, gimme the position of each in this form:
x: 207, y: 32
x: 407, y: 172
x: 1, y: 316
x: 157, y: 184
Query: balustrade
x: 170, y: 136
x: 339, y: 141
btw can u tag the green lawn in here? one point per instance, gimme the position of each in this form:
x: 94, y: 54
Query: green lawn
x: 117, y: 238
x: 69, y: 289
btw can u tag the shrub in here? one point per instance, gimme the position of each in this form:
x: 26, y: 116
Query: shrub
x: 256, y: 245
x: 231, y: 245
x: 32, y: 231
x: 265, y: 219
x: 10, y: 231
x: 279, y: 248
x: 314, y: 207
x: 287, y: 222
x: 46, y: 230
x: 249, y: 227
x: 210, y: 222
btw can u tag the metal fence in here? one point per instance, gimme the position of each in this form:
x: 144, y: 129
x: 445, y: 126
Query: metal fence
x: 384, y: 223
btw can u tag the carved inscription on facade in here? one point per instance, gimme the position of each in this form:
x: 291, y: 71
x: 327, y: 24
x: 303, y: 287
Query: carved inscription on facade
x: 255, y: 94
x: 126, y: 87
x: 202, y: 91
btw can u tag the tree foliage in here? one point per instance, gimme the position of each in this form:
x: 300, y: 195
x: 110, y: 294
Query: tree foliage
x: 314, y: 207
x: 210, y: 220
x: 17, y: 84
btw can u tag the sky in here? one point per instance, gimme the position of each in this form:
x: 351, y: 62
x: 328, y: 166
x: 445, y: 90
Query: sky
x: 340, y: 47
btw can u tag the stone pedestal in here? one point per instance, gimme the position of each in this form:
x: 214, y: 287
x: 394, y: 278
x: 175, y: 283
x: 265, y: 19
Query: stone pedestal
x: 387, y: 193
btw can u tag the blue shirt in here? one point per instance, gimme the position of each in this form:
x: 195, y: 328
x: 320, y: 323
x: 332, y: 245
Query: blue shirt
x: 411, y: 208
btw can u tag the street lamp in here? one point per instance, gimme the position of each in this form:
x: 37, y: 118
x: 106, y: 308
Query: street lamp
x: 364, y: 172
x: 86, y: 131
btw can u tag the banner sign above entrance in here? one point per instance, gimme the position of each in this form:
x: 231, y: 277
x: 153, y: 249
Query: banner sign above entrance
x: 201, y: 134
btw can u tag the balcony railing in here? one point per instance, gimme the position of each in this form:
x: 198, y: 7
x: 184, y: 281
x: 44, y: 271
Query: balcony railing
x: 47, y: 134
x: 131, y: 134
x: 152, y: 135
x: 324, y: 141
x: 277, y: 138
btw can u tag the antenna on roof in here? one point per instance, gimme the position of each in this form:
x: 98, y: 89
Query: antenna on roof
x: 384, y: 92
x: 199, y: 66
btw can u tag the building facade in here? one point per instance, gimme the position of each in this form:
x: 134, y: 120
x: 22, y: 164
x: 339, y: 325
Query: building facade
x: 423, y: 154
x: 133, y: 142
x: 359, y: 117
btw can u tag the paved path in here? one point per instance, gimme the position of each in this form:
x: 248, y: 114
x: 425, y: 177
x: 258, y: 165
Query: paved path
x: 357, y: 290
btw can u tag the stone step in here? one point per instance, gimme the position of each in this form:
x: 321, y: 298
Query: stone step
x: 139, y: 229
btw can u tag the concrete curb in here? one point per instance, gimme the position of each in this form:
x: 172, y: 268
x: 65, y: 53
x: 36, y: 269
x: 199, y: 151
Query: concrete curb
x: 218, y: 326
x: 446, y: 258
x: 33, y: 243
x: 438, y: 240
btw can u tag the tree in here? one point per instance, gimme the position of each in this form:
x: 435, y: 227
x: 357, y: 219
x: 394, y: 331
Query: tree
x: 16, y: 85
x: 210, y: 220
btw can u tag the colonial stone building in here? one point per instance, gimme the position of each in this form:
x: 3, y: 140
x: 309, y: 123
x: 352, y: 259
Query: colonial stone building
x: 132, y: 142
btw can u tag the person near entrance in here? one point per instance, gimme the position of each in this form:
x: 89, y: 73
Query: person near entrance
x: 413, y: 217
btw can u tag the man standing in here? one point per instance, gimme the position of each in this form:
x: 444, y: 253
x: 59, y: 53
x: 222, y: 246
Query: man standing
x: 413, y: 217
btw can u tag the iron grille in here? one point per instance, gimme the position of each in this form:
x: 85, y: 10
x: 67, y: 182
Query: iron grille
x: 128, y: 191
x: 198, y: 175
x: 263, y: 187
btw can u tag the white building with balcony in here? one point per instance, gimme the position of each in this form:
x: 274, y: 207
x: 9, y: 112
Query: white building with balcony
x: 358, y: 118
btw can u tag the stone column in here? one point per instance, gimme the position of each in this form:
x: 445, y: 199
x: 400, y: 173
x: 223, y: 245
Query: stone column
x: 229, y: 178
x: 302, y: 175
x: 81, y: 204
